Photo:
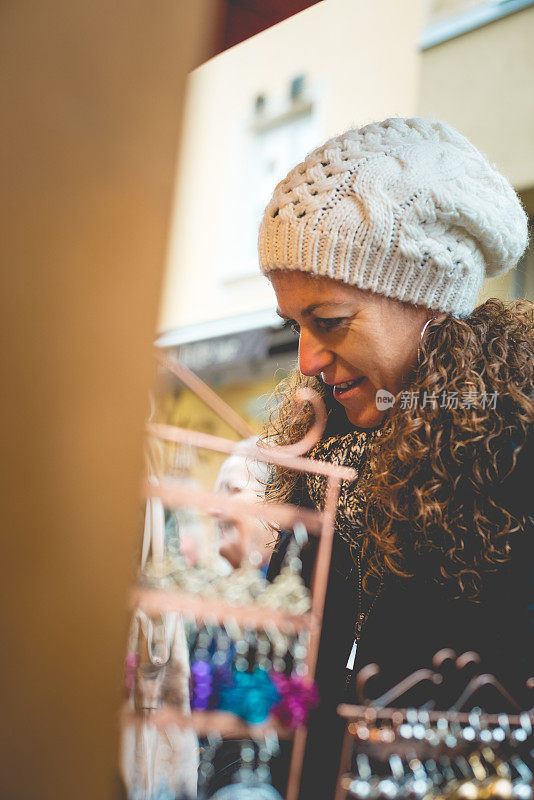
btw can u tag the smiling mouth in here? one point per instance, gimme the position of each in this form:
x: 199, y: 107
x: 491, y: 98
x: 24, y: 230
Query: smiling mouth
x: 339, y: 388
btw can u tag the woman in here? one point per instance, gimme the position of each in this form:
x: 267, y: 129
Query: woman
x: 376, y: 247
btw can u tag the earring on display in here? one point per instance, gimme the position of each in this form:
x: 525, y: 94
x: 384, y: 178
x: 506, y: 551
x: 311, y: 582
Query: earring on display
x: 221, y: 663
x: 359, y: 786
x: 423, y: 724
x: 263, y: 650
x: 468, y: 786
x: 430, y: 731
x: 396, y: 767
x: 502, y: 729
x: 522, y: 786
x: 522, y: 733
x: 163, y: 632
x: 152, y: 660
x: 437, y: 778
x: 418, y: 784
x: 246, y: 583
x: 385, y: 788
x: 360, y: 730
x: 459, y: 733
x: 267, y: 749
x: 419, y: 721
x: 246, y: 771
x: 252, y: 651
x: 406, y: 729
x: 166, y: 573
x: 454, y: 734
x: 441, y: 729
x: 300, y: 651
x: 242, y: 647
x: 280, y: 646
x: 471, y: 732
x: 288, y: 591
x: 241, y: 786
x: 196, y: 580
x: 206, y: 766
x: 262, y: 777
x: 201, y: 675
x: 498, y: 786
x: 298, y: 693
x: 184, y: 571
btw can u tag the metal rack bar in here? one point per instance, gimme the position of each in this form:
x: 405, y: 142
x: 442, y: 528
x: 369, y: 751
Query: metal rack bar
x: 175, y: 495
x: 321, y: 571
x: 207, y: 395
x: 270, y: 455
x: 370, y: 714
x: 156, y: 601
x: 204, y: 723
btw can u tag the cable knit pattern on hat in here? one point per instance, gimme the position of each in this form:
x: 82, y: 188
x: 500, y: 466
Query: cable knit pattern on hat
x: 407, y: 208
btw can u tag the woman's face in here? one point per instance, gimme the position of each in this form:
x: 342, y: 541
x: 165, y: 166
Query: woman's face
x: 350, y: 336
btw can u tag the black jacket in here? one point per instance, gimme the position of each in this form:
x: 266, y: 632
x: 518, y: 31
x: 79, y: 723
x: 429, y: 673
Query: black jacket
x: 413, y: 619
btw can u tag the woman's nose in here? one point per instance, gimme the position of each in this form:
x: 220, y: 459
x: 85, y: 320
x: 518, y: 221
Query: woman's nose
x: 313, y: 356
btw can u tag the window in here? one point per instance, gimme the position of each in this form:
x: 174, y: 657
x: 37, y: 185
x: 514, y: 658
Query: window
x: 447, y: 19
x: 275, y: 139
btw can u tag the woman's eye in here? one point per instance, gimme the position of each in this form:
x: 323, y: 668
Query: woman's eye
x: 328, y: 323
x: 323, y: 323
x: 292, y: 325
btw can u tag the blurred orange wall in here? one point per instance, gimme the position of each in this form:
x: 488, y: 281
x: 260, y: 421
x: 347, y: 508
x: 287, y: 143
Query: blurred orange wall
x: 91, y: 100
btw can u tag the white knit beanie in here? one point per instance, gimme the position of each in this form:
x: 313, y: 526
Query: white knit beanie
x: 407, y: 208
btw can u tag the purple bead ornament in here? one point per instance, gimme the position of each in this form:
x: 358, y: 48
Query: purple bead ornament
x: 201, y: 685
x: 298, y: 696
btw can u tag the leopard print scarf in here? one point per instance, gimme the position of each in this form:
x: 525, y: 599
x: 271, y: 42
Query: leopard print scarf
x: 352, y: 449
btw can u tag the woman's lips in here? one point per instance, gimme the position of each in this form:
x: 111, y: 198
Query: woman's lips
x: 350, y: 391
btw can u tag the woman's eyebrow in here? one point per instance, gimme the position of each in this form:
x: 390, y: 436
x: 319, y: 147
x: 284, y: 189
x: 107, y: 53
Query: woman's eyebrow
x: 315, y: 306
x: 310, y: 309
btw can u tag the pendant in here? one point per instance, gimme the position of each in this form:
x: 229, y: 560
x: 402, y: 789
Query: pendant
x: 352, y: 656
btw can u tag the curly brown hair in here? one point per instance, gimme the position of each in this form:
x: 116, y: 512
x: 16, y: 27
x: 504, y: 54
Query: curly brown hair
x: 433, y: 490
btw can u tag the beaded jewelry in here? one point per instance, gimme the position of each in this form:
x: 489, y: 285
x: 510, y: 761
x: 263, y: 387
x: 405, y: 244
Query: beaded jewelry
x: 201, y: 676
x: 298, y: 696
x: 251, y: 697
x: 154, y: 651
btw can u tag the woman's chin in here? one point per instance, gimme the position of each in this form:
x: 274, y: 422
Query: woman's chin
x: 365, y: 414
x: 361, y: 410
x: 367, y: 418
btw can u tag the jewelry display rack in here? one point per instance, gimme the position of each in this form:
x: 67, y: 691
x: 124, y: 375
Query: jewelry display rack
x: 377, y: 729
x: 175, y: 495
